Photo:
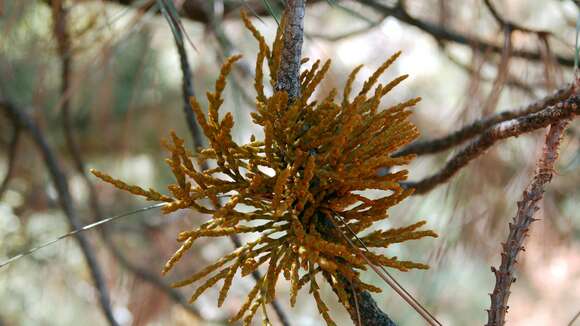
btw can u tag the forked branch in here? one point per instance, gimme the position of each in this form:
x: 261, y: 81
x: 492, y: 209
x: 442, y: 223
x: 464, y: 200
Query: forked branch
x: 519, y: 227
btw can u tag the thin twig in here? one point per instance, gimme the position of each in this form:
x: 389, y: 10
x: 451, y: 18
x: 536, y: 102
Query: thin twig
x: 66, y: 69
x: 503, y: 22
x: 563, y: 110
x: 192, y: 9
x: 478, y: 127
x: 519, y: 227
x: 65, y: 200
x: 512, y: 81
x: 356, y: 32
x: 443, y: 34
x: 187, y: 81
x: 60, y: 17
x: 576, y: 316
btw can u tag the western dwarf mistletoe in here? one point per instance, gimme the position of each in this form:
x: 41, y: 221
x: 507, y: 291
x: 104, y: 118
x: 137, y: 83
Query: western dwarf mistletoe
x: 304, y: 184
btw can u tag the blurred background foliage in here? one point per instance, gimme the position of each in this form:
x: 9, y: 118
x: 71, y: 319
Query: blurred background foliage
x: 126, y: 96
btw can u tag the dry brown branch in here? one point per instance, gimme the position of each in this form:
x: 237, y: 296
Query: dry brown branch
x: 519, y: 227
x: 478, y: 127
x: 63, y: 40
x: 59, y: 14
x: 512, y: 81
x: 505, y: 23
x: 193, y: 9
x: 443, y: 34
x: 59, y: 179
x: 553, y: 114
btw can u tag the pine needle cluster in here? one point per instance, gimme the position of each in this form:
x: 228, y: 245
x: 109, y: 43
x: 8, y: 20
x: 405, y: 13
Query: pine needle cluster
x: 300, y: 189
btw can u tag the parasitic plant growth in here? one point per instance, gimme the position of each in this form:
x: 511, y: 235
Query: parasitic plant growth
x: 311, y: 170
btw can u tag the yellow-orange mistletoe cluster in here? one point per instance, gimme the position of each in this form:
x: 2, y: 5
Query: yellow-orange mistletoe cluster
x: 298, y: 188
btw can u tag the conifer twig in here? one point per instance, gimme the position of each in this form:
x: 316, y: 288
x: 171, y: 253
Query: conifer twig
x: 565, y: 109
x: 519, y: 227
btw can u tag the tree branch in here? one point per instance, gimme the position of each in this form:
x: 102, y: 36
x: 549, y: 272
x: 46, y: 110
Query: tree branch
x: 289, y: 71
x: 443, y: 34
x: 565, y: 109
x: 479, y: 126
x: 193, y: 9
x: 63, y: 40
x: 59, y: 179
x: 519, y: 227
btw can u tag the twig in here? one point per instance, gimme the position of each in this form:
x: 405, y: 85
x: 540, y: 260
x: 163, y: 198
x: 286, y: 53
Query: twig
x: 576, y: 316
x: 519, y: 227
x: 66, y: 67
x: 512, y: 81
x: 444, y: 34
x: 60, y: 13
x: 187, y: 80
x: 289, y: 71
x: 60, y: 182
x: 503, y: 23
x: 563, y: 110
x: 339, y: 37
x: 12, y: 154
x: 192, y: 9
x: 479, y: 126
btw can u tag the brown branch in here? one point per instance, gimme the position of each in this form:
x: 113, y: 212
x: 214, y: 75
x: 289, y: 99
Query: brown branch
x: 339, y: 37
x: 59, y: 179
x: 512, y: 81
x: 519, y: 227
x: 62, y: 37
x: 193, y: 9
x: 289, y: 72
x: 441, y: 33
x: 565, y: 109
x: 59, y: 14
x: 480, y: 126
x: 505, y: 23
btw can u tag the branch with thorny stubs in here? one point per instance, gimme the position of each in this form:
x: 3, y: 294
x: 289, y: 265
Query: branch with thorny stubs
x: 519, y: 227
x: 563, y: 110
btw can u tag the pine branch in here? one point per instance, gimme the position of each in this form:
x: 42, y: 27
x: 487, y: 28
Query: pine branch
x: 565, y: 109
x: 59, y: 179
x: 478, y: 127
x: 519, y: 227
x: 289, y: 71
